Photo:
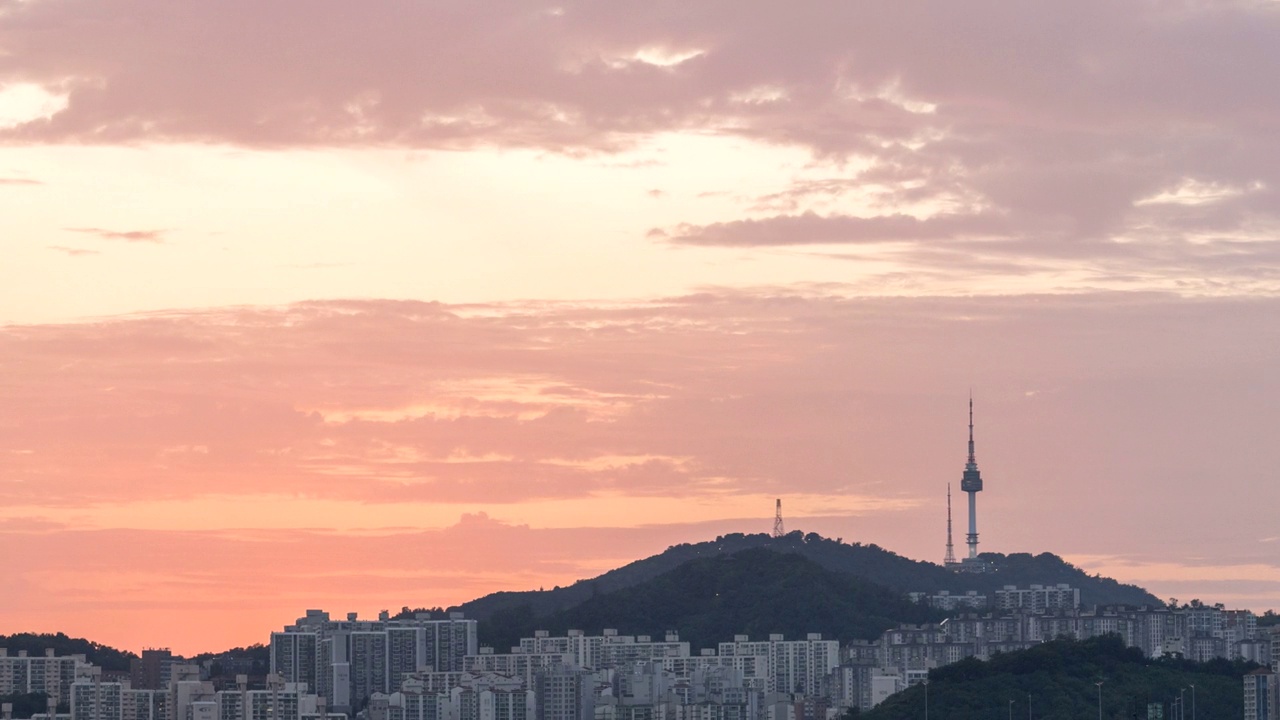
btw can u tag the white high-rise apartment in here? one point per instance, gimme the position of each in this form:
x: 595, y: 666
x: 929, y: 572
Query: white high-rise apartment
x: 1261, y: 695
x: 348, y: 661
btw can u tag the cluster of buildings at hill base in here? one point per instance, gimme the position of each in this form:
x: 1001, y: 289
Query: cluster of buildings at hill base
x: 429, y: 668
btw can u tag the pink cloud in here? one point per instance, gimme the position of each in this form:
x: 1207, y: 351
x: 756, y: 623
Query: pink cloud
x: 810, y: 228
x: 386, y: 402
x: 948, y: 246
x: 144, y: 236
x: 841, y: 77
x: 73, y: 251
x: 1059, y: 121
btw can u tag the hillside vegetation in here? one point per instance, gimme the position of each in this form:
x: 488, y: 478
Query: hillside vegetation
x: 104, y: 656
x: 867, y: 562
x: 1061, y: 678
x: 708, y: 600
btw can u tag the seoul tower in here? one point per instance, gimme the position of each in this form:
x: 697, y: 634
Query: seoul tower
x: 971, y: 482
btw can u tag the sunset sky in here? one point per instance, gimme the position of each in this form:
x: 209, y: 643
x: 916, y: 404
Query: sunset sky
x: 361, y: 305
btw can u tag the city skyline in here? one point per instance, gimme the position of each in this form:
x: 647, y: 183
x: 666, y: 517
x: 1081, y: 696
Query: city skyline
x: 409, y: 303
x: 344, y: 662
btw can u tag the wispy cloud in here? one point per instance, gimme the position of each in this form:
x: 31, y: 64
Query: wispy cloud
x: 19, y: 181
x: 72, y: 251
x: 394, y: 402
x: 812, y: 229
x: 133, y: 236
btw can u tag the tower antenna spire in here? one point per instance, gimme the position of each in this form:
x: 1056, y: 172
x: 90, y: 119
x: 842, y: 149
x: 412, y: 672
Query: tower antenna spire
x: 777, y: 521
x: 973, y: 462
x: 950, y: 559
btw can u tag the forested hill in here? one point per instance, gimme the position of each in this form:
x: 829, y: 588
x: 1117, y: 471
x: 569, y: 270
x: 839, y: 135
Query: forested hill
x: 708, y: 600
x: 1061, y: 679
x: 869, y: 562
x: 104, y: 656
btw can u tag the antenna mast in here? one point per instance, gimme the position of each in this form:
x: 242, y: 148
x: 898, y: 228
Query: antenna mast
x: 777, y: 521
x: 950, y: 559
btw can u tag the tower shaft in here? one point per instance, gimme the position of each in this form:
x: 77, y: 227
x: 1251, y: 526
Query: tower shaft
x: 778, y: 531
x: 972, y: 537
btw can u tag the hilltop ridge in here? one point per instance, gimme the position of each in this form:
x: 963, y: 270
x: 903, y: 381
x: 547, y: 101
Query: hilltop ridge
x: 708, y: 600
x: 869, y: 562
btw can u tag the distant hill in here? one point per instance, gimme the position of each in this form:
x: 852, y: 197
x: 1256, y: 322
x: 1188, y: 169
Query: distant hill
x: 104, y: 656
x: 756, y: 591
x: 868, y: 562
x: 1061, y: 678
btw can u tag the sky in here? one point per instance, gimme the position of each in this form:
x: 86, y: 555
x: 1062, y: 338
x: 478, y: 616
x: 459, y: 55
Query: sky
x: 361, y: 306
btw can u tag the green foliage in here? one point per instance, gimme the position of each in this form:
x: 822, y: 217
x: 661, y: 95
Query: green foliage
x: 257, y: 652
x: 232, y: 662
x: 756, y: 591
x: 26, y: 704
x: 1268, y: 619
x: 1061, y: 678
x: 504, y: 630
x: 406, y: 613
x: 104, y: 656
